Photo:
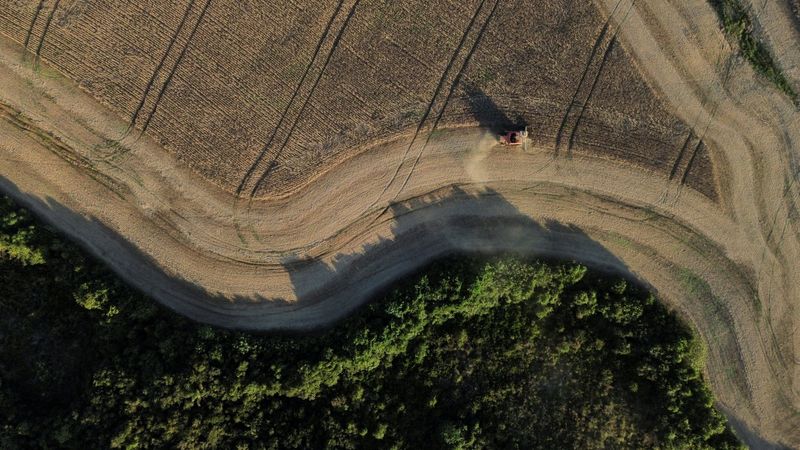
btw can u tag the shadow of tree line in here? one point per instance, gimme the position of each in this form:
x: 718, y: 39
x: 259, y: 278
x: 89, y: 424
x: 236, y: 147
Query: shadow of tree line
x: 437, y: 225
x: 423, y: 229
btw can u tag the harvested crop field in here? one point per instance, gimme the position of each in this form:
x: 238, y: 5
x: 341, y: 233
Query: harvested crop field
x: 260, y: 98
x: 272, y: 165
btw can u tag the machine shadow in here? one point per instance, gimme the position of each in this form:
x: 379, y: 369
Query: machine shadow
x: 489, y: 115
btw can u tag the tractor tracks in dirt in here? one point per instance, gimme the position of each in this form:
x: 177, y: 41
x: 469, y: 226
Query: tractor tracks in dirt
x: 684, y: 161
x: 33, y: 23
x: 166, y: 68
x: 47, y: 140
x: 252, y: 169
x: 681, y: 167
x: 46, y: 27
x: 264, y: 164
x: 174, y: 68
x: 594, y: 66
x: 154, y: 76
x: 453, y: 85
x: 454, y: 82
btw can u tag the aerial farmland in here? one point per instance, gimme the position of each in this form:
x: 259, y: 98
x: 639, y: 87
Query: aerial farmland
x: 274, y: 165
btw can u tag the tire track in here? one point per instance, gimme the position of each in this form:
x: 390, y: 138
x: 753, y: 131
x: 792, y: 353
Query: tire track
x: 158, y: 68
x: 168, y: 81
x: 453, y: 86
x: 428, y: 110
x: 603, y: 61
x: 608, y: 30
x: 691, y: 161
x: 680, y: 170
x: 695, y: 132
x: 675, y: 165
x: 592, y: 54
x: 46, y: 28
x: 79, y: 31
x: 33, y: 23
x: 296, y: 92
x: 335, y: 45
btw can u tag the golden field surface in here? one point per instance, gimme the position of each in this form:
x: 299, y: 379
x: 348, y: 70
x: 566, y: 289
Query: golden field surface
x: 260, y: 97
x: 272, y: 165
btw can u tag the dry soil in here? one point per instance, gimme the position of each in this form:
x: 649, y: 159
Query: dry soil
x: 725, y: 253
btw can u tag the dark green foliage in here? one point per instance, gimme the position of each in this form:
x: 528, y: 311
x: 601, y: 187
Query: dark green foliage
x: 736, y: 22
x: 472, y: 354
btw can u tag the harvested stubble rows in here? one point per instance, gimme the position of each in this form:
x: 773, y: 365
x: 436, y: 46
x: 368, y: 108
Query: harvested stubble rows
x: 324, y: 113
x: 261, y: 97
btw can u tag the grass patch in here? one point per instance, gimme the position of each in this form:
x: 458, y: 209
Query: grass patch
x: 737, y: 23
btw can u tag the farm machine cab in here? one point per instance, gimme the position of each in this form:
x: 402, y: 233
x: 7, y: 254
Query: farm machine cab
x: 515, y: 138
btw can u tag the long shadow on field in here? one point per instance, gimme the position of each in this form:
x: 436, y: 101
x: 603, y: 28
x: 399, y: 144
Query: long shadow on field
x: 425, y: 228
x: 116, y: 251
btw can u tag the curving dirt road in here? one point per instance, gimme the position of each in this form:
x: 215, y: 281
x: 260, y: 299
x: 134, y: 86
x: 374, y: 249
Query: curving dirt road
x: 307, y: 259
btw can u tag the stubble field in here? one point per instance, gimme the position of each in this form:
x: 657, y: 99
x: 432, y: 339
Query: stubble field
x: 273, y: 165
x: 259, y: 98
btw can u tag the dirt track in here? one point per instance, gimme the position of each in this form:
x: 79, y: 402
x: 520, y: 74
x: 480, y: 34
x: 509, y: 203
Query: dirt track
x: 311, y: 257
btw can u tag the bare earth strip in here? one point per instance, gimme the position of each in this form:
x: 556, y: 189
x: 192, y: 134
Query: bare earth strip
x: 309, y: 258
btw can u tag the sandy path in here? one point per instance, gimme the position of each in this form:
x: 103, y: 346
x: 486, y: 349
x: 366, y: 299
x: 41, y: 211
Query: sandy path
x: 302, y: 261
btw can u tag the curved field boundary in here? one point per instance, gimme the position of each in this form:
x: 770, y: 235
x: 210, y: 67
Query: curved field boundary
x: 731, y: 267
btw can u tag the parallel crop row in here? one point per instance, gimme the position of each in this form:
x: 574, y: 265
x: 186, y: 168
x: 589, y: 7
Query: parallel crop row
x: 259, y: 96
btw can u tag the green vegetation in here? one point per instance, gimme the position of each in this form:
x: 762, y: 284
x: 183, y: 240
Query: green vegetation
x: 736, y: 22
x: 471, y: 354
